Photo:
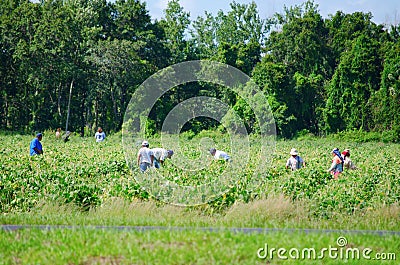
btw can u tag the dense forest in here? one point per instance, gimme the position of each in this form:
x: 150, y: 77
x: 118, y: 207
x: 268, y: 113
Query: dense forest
x: 321, y: 75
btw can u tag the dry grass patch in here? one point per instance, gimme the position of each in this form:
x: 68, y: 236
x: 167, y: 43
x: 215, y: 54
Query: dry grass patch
x: 270, y: 210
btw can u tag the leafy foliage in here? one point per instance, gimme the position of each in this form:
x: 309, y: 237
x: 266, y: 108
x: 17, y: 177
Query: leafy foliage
x: 90, y: 174
x: 323, y: 75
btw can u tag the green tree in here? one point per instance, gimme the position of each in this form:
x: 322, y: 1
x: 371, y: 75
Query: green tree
x: 301, y: 44
x: 175, y: 24
x: 272, y: 79
x: 21, y: 91
x: 242, y: 24
x: 117, y: 70
x: 345, y: 28
x: 240, y: 35
x: 203, y: 36
x: 300, y: 47
x: 357, y: 77
x: 386, y: 101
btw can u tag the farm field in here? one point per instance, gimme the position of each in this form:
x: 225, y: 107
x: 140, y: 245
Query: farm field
x: 192, y: 76
x: 84, y: 183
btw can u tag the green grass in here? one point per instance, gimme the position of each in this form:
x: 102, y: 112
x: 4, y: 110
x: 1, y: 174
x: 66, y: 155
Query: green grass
x: 93, y: 246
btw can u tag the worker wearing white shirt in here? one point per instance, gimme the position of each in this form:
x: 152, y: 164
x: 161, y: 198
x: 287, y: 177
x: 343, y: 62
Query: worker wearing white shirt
x: 145, y: 157
x: 217, y: 154
x: 160, y: 154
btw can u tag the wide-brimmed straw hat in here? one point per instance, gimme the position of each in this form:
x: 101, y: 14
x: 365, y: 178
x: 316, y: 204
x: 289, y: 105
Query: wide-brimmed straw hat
x: 294, y: 152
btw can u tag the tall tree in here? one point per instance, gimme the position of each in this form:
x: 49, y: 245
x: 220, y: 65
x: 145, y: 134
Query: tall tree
x: 272, y: 79
x: 203, y: 36
x: 241, y: 24
x: 357, y: 77
x: 118, y: 69
x: 345, y: 28
x: 21, y: 93
x: 386, y: 101
x: 175, y: 23
x: 299, y: 43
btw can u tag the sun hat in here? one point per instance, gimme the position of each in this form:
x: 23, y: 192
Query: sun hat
x: 145, y: 143
x: 346, y: 152
x: 294, y: 152
x: 337, y: 153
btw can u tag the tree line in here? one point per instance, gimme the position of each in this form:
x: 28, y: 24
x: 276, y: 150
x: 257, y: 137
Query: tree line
x: 321, y: 75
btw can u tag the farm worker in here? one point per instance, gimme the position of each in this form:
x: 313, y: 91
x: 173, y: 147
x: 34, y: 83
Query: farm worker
x: 160, y: 154
x: 100, y: 135
x: 145, y: 157
x: 217, y: 154
x: 58, y: 133
x: 295, y: 161
x: 337, y: 163
x: 36, y: 146
x: 66, y: 136
x: 348, y: 164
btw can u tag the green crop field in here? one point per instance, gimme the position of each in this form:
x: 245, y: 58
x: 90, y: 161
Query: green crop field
x: 84, y: 184
x: 245, y: 77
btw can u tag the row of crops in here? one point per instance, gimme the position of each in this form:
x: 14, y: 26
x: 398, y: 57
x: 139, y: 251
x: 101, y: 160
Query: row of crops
x: 87, y: 174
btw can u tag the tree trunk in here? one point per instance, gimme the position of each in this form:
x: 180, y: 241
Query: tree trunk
x: 59, y: 100
x: 116, y: 119
x: 69, y: 104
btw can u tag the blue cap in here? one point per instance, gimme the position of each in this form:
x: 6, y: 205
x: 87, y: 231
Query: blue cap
x: 39, y: 135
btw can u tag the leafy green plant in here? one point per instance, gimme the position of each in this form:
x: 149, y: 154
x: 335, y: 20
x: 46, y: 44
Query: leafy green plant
x: 88, y: 174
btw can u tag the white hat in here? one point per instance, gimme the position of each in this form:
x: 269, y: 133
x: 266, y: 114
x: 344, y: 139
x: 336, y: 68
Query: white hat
x: 145, y: 143
x: 294, y: 152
